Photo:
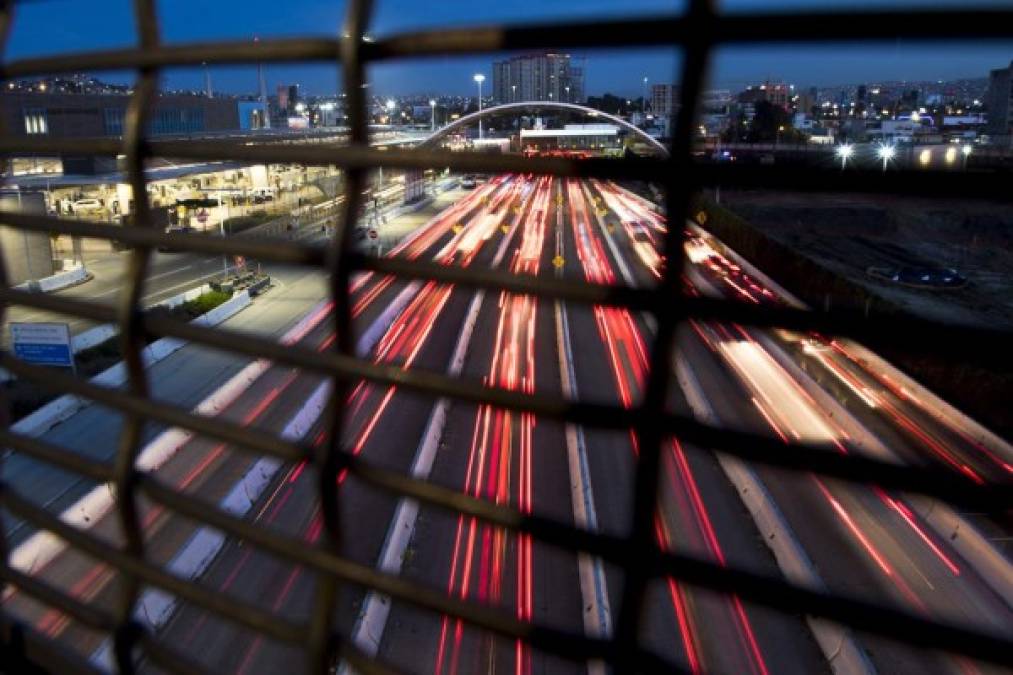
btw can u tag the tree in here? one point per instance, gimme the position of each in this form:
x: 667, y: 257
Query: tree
x: 609, y: 103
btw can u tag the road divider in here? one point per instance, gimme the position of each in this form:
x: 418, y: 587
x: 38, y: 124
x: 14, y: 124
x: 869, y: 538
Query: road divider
x: 41, y: 547
x: 99, y: 334
x: 155, y: 607
x: 65, y: 279
x: 60, y: 409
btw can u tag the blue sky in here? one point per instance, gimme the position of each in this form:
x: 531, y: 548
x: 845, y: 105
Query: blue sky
x: 58, y: 26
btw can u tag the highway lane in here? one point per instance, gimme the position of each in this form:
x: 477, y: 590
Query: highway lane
x: 599, y: 337
x: 923, y: 436
x: 384, y: 425
x: 864, y: 542
x: 860, y: 541
x: 210, y: 467
x: 507, y: 458
x: 698, y: 511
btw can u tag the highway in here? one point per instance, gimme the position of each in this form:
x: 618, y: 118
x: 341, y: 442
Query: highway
x: 858, y: 539
x: 169, y: 274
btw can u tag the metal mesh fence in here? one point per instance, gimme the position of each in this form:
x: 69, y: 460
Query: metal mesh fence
x: 697, y: 33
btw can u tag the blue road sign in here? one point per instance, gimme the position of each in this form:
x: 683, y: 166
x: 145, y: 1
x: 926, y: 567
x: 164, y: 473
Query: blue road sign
x: 46, y: 355
x: 46, y: 344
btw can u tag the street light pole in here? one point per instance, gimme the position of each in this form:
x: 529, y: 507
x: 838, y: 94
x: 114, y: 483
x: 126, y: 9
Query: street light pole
x: 513, y: 93
x: 479, y: 78
x: 432, y: 104
x: 222, y: 217
x: 844, y: 152
x: 886, y: 153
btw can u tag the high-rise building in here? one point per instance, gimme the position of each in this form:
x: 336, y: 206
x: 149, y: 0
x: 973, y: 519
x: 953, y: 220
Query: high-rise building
x: 664, y: 99
x: 288, y: 96
x: 775, y: 93
x: 539, y: 77
x: 1000, y: 103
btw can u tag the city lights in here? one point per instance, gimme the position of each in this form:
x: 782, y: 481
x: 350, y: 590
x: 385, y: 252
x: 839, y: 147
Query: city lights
x: 479, y: 79
x: 844, y: 153
x: 886, y: 153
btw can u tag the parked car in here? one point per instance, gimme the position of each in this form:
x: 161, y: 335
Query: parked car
x: 87, y: 205
x: 175, y: 229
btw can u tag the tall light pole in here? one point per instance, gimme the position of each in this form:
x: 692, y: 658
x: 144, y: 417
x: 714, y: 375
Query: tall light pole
x: 643, y: 107
x: 513, y: 93
x: 966, y: 152
x: 432, y: 104
x: 479, y: 79
x: 844, y: 152
x: 886, y: 153
x: 207, y: 80
x: 567, y: 93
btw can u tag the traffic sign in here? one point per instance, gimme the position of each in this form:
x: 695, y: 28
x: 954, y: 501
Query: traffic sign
x: 202, y: 216
x: 558, y: 261
x: 373, y: 234
x: 46, y: 344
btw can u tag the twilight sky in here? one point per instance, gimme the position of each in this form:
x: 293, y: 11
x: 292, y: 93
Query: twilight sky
x: 54, y: 26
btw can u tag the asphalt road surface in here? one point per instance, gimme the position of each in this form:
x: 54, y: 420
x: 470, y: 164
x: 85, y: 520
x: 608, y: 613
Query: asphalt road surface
x: 859, y: 539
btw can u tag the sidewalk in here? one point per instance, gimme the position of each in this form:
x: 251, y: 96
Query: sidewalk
x: 396, y: 229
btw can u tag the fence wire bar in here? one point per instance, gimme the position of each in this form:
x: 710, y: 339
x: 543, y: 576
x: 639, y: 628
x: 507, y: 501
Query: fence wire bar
x: 26, y: 652
x: 698, y: 32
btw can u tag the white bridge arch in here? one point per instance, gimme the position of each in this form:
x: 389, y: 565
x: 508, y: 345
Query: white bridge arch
x: 541, y: 105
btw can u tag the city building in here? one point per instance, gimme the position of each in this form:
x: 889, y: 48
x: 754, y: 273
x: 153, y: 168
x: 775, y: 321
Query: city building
x: 593, y: 138
x: 539, y: 77
x: 1000, y: 104
x: 664, y: 99
x: 252, y: 115
x: 39, y: 112
x: 67, y: 115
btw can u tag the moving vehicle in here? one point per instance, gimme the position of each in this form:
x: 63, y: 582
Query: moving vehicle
x: 644, y: 246
x: 469, y: 182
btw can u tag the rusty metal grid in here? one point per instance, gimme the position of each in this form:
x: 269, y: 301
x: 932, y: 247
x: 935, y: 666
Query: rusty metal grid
x: 696, y: 33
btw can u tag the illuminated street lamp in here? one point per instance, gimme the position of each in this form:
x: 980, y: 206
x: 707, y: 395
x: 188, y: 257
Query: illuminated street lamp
x: 844, y: 152
x: 513, y: 93
x: 432, y: 120
x: 568, y: 93
x: 966, y: 152
x: 950, y: 155
x: 390, y: 109
x: 479, y: 79
x: 886, y: 153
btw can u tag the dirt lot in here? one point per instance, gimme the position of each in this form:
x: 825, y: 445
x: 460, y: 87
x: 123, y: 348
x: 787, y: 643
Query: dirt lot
x: 851, y: 233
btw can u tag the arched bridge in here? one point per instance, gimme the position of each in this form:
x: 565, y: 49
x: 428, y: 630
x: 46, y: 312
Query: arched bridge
x: 541, y: 105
